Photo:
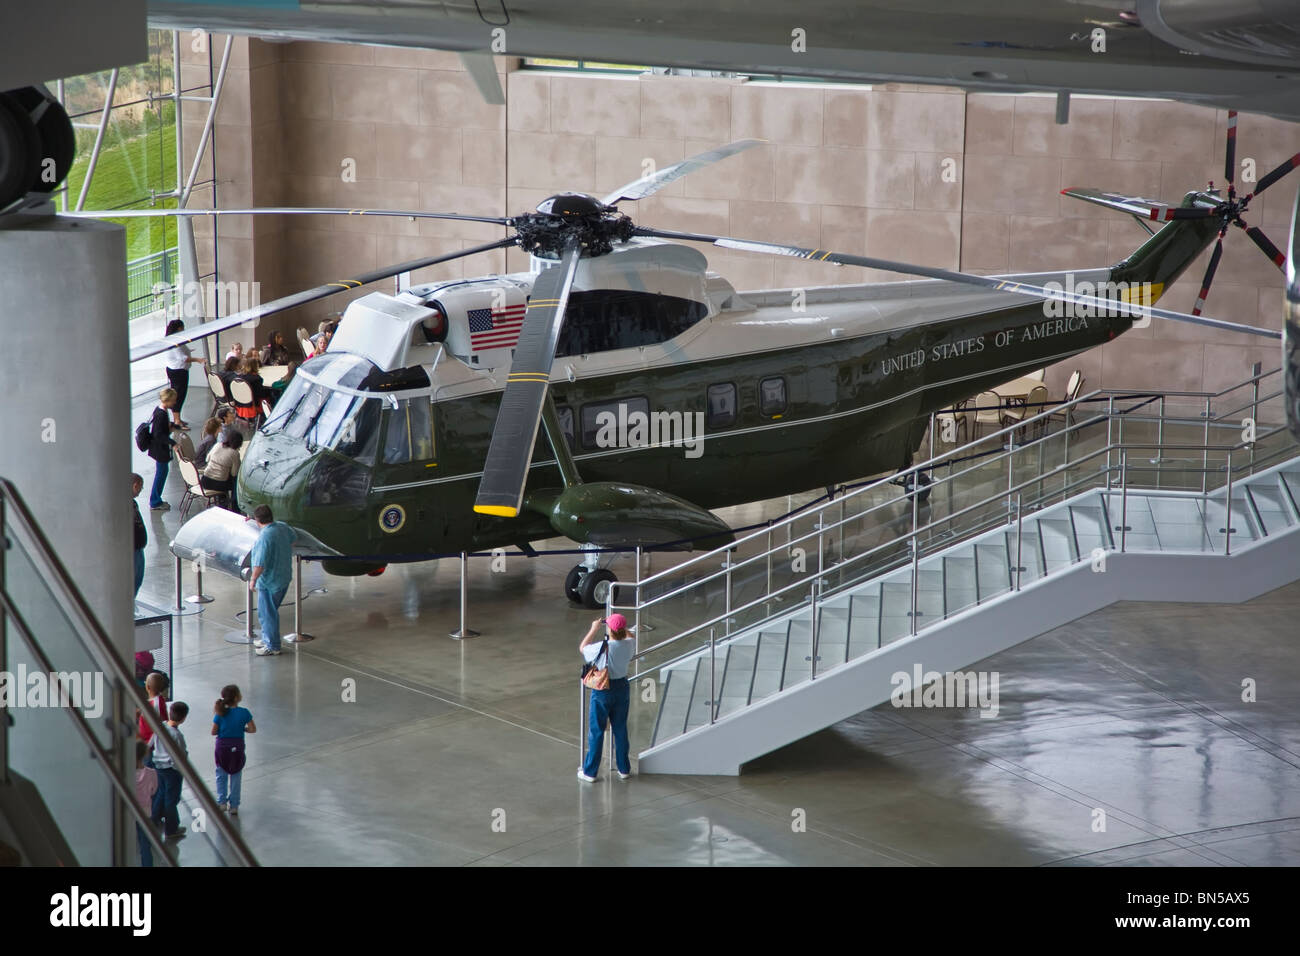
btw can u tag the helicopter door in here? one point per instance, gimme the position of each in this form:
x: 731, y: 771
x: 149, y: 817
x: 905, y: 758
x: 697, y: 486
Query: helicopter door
x: 409, y: 451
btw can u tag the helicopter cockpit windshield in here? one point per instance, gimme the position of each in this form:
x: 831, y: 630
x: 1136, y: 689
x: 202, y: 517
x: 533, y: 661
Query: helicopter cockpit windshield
x: 336, y: 403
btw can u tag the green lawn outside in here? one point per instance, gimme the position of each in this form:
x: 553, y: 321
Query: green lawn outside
x: 128, y: 168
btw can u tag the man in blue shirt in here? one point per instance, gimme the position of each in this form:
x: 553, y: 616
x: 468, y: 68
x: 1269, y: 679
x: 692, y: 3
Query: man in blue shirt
x: 272, y: 561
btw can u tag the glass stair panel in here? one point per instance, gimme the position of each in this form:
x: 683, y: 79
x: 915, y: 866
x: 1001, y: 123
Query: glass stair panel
x: 959, y: 581
x: 864, y: 621
x: 1180, y: 523
x: 1057, y: 537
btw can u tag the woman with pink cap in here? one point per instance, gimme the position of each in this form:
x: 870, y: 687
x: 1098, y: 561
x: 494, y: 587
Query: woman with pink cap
x: 615, y: 652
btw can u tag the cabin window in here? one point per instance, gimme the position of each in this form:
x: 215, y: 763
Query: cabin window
x: 409, y: 435
x: 358, y: 433
x: 721, y: 406
x: 602, y: 431
x: 600, y: 320
x: 771, y: 396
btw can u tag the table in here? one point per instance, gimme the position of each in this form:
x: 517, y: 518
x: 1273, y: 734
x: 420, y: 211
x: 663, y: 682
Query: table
x: 1018, y: 388
x: 272, y: 373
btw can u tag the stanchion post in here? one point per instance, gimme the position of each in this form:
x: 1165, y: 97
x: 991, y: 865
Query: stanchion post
x: 464, y: 631
x: 180, y: 604
x: 297, y: 636
x: 248, y: 612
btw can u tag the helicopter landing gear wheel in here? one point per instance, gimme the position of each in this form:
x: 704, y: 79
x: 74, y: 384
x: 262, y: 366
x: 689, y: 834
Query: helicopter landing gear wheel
x: 573, y: 583
x: 595, y: 588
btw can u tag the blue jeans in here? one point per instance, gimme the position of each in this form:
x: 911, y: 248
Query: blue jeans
x: 166, y: 798
x: 139, y: 572
x: 611, y: 705
x: 268, y: 615
x: 146, y: 850
x: 159, y: 481
x: 233, y: 780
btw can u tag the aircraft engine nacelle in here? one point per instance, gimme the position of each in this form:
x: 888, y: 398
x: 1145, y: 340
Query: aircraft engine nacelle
x: 619, y: 515
x: 483, y: 317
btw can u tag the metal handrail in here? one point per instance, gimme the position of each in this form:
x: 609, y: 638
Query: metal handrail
x: 910, y: 538
x: 92, y: 638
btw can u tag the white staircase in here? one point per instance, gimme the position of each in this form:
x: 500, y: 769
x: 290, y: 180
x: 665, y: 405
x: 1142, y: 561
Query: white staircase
x: 738, y: 696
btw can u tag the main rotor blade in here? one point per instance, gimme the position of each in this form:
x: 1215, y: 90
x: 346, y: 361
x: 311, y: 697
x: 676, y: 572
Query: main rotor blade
x: 1230, y: 154
x: 299, y: 298
x: 505, y: 470
x: 988, y: 282
x: 278, y: 211
x: 1209, y: 276
x: 648, y: 185
x: 1285, y: 167
x: 1273, y: 252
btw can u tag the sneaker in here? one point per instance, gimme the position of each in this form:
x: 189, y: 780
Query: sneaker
x: 584, y: 778
x: 222, y: 806
x: 178, y: 835
x: 623, y: 776
x: 234, y: 811
x: 264, y: 651
x: 164, y: 506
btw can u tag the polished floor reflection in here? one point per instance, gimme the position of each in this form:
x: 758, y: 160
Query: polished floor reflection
x: 1144, y: 734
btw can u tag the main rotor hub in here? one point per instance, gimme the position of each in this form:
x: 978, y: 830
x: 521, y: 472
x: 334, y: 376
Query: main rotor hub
x: 564, y: 216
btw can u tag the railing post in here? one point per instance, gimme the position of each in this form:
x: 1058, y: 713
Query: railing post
x: 297, y: 635
x: 1205, y: 453
x: 767, y: 609
x: 814, y: 627
x: 1110, y: 442
x: 465, y: 631
x: 636, y: 613
x: 1019, y: 528
x: 1227, y: 510
x: 726, y: 619
x: 1160, y: 441
x: 1123, y: 499
x: 713, y: 656
x: 916, y: 543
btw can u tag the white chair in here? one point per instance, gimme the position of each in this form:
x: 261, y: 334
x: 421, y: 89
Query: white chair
x: 1034, y: 405
x: 1072, y: 390
x: 1038, y: 373
x: 185, y: 446
x: 193, y: 490
x: 308, y: 350
x: 217, y: 387
x: 988, y: 411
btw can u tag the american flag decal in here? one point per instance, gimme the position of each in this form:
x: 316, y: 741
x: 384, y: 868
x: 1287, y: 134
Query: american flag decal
x: 495, y: 328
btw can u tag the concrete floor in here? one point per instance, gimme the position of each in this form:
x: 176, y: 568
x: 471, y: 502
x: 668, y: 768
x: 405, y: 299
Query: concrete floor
x: 460, y: 753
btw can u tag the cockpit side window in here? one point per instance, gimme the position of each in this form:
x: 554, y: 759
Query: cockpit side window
x: 409, y: 432
x: 358, y: 435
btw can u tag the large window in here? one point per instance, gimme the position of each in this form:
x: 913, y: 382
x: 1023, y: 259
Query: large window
x: 601, y: 320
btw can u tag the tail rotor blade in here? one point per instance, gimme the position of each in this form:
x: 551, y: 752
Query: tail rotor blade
x: 1230, y: 156
x: 1273, y: 252
x: 1209, y: 276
